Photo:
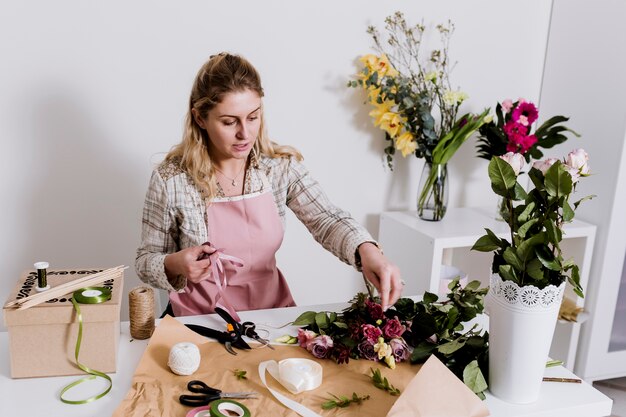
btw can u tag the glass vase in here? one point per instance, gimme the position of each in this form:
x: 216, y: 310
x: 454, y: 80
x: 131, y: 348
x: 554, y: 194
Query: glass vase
x: 432, y: 195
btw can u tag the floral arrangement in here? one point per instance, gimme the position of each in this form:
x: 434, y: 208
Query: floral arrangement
x: 406, y: 88
x: 512, y: 131
x: 407, y: 331
x: 413, y: 100
x: 533, y: 255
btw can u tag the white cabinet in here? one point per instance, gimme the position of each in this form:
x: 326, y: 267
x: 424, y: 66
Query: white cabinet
x: 419, y: 248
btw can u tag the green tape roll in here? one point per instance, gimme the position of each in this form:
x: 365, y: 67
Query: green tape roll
x: 87, y: 295
x: 219, y: 406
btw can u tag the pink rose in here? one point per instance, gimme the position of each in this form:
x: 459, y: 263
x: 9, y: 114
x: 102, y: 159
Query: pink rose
x: 366, y: 349
x: 321, y: 346
x: 371, y: 333
x: 516, y: 161
x: 393, y: 328
x: 399, y: 349
x: 305, y: 337
x: 578, y: 160
x: 507, y: 105
x: 544, y: 164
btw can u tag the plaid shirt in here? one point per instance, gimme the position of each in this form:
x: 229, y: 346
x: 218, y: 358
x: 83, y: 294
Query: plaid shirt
x: 174, y: 215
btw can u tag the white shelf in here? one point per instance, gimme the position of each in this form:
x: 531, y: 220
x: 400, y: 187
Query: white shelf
x: 419, y: 248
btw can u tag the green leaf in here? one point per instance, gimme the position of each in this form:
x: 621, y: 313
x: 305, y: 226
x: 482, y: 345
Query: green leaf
x: 533, y: 269
x: 340, y: 324
x: 519, y: 192
x: 474, y: 378
x: 547, y: 258
x: 512, y: 259
x: 568, y: 213
x: 524, y: 215
x: 524, y: 250
x: 523, y: 229
x: 321, y: 319
x: 558, y: 181
x: 332, y: 316
x: 422, y: 352
x: 430, y: 298
x: 553, y: 233
x: 450, y: 347
x: 589, y: 197
x: 485, y: 244
x: 305, y: 319
x: 506, y: 272
x: 502, y: 176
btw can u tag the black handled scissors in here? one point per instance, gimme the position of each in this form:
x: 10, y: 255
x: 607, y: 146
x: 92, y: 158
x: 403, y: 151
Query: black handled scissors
x: 231, y: 337
x: 247, y: 328
x: 206, y: 394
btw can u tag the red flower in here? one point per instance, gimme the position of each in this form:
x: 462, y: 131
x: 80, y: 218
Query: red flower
x: 375, y: 310
x: 371, y: 333
x: 512, y: 128
x: 525, y: 111
x: 393, y: 328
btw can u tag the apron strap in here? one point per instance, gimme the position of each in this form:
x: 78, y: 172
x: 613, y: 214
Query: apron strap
x: 219, y: 277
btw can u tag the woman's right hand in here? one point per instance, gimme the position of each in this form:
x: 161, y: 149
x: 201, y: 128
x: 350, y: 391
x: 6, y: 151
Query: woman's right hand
x: 185, y: 262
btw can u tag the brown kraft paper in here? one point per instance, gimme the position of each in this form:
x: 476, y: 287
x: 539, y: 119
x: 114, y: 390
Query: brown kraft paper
x: 155, y: 389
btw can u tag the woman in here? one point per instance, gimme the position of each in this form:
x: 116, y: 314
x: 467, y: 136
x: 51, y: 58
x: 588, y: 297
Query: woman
x: 226, y: 183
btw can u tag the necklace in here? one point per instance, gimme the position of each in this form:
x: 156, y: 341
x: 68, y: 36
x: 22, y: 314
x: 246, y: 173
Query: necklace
x: 233, y: 181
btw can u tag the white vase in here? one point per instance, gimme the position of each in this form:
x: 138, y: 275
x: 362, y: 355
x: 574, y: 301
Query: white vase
x: 521, y: 326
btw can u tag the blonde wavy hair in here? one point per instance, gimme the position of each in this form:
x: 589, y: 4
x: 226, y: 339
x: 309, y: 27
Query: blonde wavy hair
x: 220, y: 75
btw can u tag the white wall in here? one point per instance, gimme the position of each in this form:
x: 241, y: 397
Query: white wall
x: 93, y: 93
x: 584, y: 79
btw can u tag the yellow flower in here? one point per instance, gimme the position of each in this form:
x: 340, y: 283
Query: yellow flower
x: 378, y: 64
x: 373, y: 94
x: 390, y: 361
x: 391, y: 123
x: 385, y: 68
x: 380, y: 110
x: 370, y: 61
x: 488, y: 118
x: 406, y: 144
x: 382, y: 348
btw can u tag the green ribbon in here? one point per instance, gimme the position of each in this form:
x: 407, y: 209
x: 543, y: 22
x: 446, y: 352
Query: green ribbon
x: 88, y: 295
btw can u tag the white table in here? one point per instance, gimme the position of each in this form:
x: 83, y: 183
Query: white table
x: 39, y: 396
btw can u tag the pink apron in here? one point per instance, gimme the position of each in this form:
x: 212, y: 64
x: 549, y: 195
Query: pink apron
x: 247, y: 227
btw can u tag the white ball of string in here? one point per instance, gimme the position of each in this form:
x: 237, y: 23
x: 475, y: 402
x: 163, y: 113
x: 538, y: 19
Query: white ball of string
x: 184, y: 358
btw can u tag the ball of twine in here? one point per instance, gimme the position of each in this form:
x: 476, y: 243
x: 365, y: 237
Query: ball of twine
x: 184, y: 358
x: 141, y: 312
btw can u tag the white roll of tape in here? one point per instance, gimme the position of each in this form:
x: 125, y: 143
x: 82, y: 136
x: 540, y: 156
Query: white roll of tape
x: 184, y: 358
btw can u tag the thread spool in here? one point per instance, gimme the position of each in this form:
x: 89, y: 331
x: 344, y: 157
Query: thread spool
x: 184, y: 358
x: 141, y: 312
x: 42, y: 276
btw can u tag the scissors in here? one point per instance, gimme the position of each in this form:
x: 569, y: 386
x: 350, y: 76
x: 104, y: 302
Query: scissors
x: 247, y: 328
x: 206, y: 394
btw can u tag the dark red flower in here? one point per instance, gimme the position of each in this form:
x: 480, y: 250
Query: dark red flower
x: 393, y: 328
x: 371, y: 332
x: 374, y: 310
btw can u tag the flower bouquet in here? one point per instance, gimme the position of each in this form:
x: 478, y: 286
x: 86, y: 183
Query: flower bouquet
x: 529, y: 269
x: 512, y: 132
x: 407, y: 331
x: 415, y: 104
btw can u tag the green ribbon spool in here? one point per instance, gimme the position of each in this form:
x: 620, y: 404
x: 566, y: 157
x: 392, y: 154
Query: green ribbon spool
x: 88, y: 295
x: 228, y: 405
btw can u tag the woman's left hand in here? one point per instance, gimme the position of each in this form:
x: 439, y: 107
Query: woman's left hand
x: 384, y: 275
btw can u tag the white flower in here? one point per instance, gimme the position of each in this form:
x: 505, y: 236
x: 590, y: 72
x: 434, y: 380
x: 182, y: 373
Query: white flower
x: 544, y: 164
x: 516, y: 160
x: 431, y: 76
x: 452, y: 98
x: 577, y: 159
